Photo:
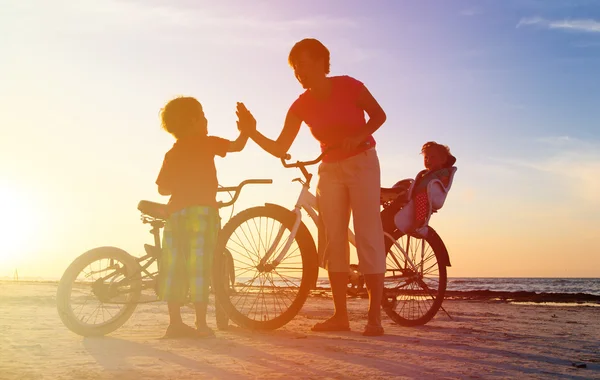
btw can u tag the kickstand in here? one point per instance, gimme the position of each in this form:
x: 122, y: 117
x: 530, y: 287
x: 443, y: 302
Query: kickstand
x: 441, y: 306
x: 448, y: 314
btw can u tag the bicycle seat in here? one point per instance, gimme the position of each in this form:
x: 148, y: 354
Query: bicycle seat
x: 153, y: 209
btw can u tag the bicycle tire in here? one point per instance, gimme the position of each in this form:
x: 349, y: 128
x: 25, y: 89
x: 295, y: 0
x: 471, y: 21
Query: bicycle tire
x: 229, y: 296
x: 402, y: 302
x: 220, y: 314
x: 65, y: 289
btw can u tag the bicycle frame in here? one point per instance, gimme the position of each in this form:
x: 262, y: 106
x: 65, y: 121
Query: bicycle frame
x: 153, y: 251
x: 308, y: 202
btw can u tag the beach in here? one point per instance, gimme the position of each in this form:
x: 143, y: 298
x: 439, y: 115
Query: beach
x: 483, y: 339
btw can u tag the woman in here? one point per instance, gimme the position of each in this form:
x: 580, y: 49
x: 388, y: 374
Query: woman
x: 349, y: 176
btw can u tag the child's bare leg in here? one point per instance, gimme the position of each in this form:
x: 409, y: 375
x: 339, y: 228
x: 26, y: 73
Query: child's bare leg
x: 176, y: 328
x: 201, y: 314
x: 201, y: 325
x: 174, y: 313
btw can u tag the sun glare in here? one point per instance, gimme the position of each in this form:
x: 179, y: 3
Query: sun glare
x: 17, y: 223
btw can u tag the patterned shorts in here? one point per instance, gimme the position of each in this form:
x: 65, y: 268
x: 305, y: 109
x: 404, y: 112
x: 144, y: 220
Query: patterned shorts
x: 189, y: 241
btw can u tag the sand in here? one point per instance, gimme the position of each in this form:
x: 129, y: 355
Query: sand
x: 483, y: 340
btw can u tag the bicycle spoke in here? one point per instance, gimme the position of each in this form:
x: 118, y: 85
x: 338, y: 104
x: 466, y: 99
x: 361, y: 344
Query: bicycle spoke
x: 264, y: 289
x: 412, y: 280
x: 86, y: 307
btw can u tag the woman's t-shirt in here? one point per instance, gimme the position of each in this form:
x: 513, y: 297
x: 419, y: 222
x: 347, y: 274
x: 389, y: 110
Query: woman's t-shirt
x: 332, y: 120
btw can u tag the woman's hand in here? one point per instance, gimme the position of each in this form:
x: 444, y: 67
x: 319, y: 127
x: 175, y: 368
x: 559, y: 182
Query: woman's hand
x: 246, y: 122
x: 352, y: 142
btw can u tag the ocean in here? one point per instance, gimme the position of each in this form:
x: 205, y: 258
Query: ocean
x: 589, y: 286
x: 557, y: 286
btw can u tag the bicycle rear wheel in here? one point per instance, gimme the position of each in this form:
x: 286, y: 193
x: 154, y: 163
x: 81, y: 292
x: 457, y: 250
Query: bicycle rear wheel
x: 98, y: 292
x: 415, y: 280
x: 264, y: 295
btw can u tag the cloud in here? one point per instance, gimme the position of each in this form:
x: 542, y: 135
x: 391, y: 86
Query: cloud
x: 133, y: 15
x: 196, y: 23
x: 586, y: 44
x: 559, y: 140
x: 577, y: 25
x: 552, y: 4
x: 573, y: 160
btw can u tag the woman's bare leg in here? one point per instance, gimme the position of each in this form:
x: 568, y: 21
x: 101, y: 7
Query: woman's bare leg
x: 374, y: 283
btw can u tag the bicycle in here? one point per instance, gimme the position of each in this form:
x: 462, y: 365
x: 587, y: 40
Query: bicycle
x: 118, y: 287
x: 273, y: 275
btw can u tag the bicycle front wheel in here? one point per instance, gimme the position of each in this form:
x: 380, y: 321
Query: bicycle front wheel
x: 415, y: 280
x: 264, y: 289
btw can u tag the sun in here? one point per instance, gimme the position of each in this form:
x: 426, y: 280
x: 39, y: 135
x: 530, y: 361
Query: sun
x: 17, y: 223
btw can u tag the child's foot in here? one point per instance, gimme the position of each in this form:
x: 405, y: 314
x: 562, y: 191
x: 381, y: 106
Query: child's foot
x: 180, y: 330
x: 204, y: 331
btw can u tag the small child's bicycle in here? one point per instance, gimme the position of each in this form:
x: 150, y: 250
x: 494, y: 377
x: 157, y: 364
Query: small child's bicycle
x: 273, y: 261
x: 100, y: 290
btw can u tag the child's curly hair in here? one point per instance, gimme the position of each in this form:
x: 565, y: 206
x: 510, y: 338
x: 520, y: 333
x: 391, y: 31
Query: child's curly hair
x: 177, y: 115
x: 443, y: 149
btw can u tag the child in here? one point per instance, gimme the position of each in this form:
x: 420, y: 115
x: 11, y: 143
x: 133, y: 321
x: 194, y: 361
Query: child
x: 188, y: 175
x: 438, y: 161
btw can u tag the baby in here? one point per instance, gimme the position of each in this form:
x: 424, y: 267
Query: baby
x: 438, y: 161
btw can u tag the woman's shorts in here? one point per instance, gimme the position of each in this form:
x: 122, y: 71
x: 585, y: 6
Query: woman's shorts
x: 351, y: 185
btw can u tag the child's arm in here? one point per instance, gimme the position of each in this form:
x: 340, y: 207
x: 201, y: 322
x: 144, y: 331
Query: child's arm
x: 164, y: 179
x: 239, y: 143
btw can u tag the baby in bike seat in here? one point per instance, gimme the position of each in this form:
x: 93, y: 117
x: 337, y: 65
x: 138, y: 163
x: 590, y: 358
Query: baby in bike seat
x: 411, y: 202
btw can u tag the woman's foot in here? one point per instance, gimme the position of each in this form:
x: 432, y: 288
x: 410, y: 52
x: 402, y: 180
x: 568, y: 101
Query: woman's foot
x: 180, y: 330
x: 332, y: 324
x: 373, y: 330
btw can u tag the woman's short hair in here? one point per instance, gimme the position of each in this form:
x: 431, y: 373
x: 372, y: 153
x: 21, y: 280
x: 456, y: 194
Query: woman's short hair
x: 315, y: 49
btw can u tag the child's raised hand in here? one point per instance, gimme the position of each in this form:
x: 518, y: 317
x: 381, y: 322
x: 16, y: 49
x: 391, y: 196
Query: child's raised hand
x: 246, y: 122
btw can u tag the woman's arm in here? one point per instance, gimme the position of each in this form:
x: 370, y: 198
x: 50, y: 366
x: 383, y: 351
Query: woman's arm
x: 279, y: 147
x: 376, y: 119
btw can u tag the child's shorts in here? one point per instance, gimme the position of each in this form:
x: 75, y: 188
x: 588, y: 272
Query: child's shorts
x: 189, y: 241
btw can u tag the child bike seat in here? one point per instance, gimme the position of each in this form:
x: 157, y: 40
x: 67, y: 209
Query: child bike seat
x: 436, y: 194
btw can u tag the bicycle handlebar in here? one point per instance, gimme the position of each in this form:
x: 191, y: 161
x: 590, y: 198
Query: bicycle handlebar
x: 300, y: 164
x: 238, y: 189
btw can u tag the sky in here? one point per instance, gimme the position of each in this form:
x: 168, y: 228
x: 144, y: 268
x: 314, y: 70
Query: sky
x: 512, y: 87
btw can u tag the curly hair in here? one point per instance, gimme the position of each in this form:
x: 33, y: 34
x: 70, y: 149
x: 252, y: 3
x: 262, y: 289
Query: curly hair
x: 177, y: 115
x: 443, y: 149
x: 315, y: 49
